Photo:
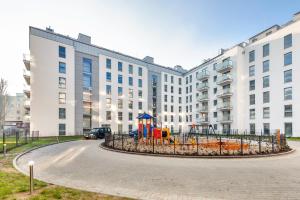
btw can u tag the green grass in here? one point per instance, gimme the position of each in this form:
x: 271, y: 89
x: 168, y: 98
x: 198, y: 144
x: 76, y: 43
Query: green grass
x: 14, y: 185
x: 294, y: 139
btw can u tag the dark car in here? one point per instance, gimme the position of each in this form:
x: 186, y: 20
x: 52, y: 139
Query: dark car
x: 98, y: 133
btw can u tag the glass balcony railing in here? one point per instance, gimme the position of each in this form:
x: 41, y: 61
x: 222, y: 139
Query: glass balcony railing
x: 225, y: 119
x: 203, y: 75
x: 203, y: 97
x: 202, y: 86
x: 225, y: 66
x: 224, y: 79
x: 225, y: 92
x: 203, y: 109
x: 26, y: 60
x: 225, y: 106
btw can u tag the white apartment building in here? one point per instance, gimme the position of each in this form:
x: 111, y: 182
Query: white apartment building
x: 74, y: 86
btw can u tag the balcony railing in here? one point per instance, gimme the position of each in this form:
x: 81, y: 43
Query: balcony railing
x: 27, y: 104
x: 225, y: 66
x: 26, y: 60
x: 26, y: 75
x: 27, y: 92
x: 203, y: 120
x: 203, y: 75
x: 203, y: 98
x: 224, y: 79
x: 225, y: 119
x: 225, y: 106
x: 202, y: 86
x: 225, y: 93
x: 203, y: 109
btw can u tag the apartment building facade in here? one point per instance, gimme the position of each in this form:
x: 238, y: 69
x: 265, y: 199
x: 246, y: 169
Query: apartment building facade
x: 74, y: 86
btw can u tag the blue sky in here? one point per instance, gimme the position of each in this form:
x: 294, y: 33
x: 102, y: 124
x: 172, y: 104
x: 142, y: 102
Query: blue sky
x: 172, y: 31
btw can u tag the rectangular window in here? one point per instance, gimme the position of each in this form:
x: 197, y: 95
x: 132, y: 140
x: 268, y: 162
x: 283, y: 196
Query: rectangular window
x: 288, y: 76
x: 62, y: 113
x: 172, y: 108
x: 108, y: 76
x: 252, y: 113
x: 252, y: 99
x: 130, y: 69
x: 288, y: 59
x: 252, y: 128
x: 120, y: 79
x: 172, y: 99
x: 62, y: 67
x: 108, y: 63
x: 140, y: 71
x: 186, y: 80
x: 288, y: 129
x: 130, y: 116
x: 108, y: 115
x: 140, y: 94
x: 215, y: 114
x: 62, y: 51
x: 288, y: 111
x: 266, y: 128
x: 87, y: 81
x: 108, y: 102
x: 130, y: 81
x: 251, y: 85
x: 166, y: 77
x: 120, y: 116
x: 62, y: 98
x: 266, y: 81
x: 266, y: 113
x: 62, y: 82
x: 166, y: 108
x: 120, y: 66
x: 288, y: 93
x: 140, y: 83
x: 172, y: 89
x: 140, y: 105
x: 251, y: 56
x: 179, y: 90
x: 266, y: 66
x: 166, y: 98
x: 130, y: 104
x: 120, y: 91
x: 130, y: 127
x: 191, y: 78
x: 288, y: 41
x: 266, y: 50
x: 120, y: 128
x: 179, y: 81
x: 172, y: 79
x: 62, y: 129
x: 120, y: 104
x: 166, y: 88
x: 87, y: 65
x: 266, y: 97
x: 130, y: 93
x: 252, y: 71
x: 108, y: 89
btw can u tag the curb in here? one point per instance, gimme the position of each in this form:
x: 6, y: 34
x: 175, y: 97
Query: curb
x: 199, y: 156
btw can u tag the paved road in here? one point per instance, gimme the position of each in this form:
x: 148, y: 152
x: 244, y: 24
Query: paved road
x: 82, y: 164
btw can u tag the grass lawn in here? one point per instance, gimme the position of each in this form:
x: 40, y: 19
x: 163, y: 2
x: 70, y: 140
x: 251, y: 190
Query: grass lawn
x: 294, y: 139
x: 14, y: 185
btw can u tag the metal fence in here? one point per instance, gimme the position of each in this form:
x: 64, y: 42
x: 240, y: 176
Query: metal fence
x: 13, y: 138
x: 200, y: 144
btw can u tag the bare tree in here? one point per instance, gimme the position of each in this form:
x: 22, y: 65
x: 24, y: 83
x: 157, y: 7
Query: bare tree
x: 3, y: 102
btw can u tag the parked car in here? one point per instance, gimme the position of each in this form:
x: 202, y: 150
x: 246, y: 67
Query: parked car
x: 98, y: 133
x: 133, y: 133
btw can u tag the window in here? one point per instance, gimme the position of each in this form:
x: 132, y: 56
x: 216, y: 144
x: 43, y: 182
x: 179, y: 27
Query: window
x: 215, y: 90
x: 62, y: 52
x: 215, y: 126
x: 62, y: 129
x: 288, y: 76
x: 62, y: 67
x: 288, y: 93
x: 179, y: 81
x: 252, y: 71
x: 166, y: 98
x: 266, y: 66
x: 120, y: 104
x: 215, y: 78
x: 108, y: 89
x: 172, y: 79
x: 62, y: 113
x: 266, y: 81
x: 252, y: 85
x: 140, y: 83
x: 120, y: 79
x: 130, y: 81
x: 172, y: 99
x: 166, y: 118
x: 215, y: 102
x: 266, y: 128
x: 87, y: 65
x: 215, y: 66
x: 266, y: 50
x: 288, y: 58
x: 166, y: 77
x: 172, y: 108
x: 187, y: 90
x: 191, y: 78
x: 251, y: 56
x: 179, y: 100
x: 120, y: 66
x: 266, y: 112
x: 108, y: 76
x: 130, y: 93
x: 62, y: 82
x: 215, y: 114
x: 266, y: 97
x: 172, y: 118
x: 191, y: 88
x: 120, y: 116
x: 108, y: 115
x: 140, y: 105
x: 87, y: 81
x: 120, y: 128
x: 288, y: 111
x: 186, y: 80
x: 108, y: 102
x: 120, y: 91
x: 130, y: 116
x: 252, y: 113
x: 179, y: 109
x: 172, y: 89
x: 166, y: 108
x: 140, y: 71
x: 130, y: 69
x: 166, y: 88
x: 179, y: 90
x: 288, y: 41
x: 252, y: 99
x: 140, y: 93
x: 288, y: 129
x: 62, y: 98
x: 130, y: 104
x: 108, y: 63
x: 252, y: 128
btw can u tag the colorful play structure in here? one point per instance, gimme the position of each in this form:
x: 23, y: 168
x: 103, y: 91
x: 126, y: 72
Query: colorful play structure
x: 147, y: 132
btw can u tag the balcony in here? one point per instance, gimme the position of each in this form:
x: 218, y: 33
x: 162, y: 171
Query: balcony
x: 225, y: 66
x: 227, y: 92
x: 27, y: 92
x: 26, y: 75
x: 224, y: 79
x: 225, y: 106
x: 203, y: 121
x: 27, y: 104
x: 26, y: 60
x: 203, y: 98
x: 203, y: 109
x: 203, y: 75
x: 202, y: 87
x: 225, y: 119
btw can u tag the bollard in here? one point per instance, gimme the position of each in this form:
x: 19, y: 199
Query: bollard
x: 31, y: 163
x: 113, y: 141
x: 220, y: 145
x: 242, y: 145
x: 4, y: 150
x: 259, y: 143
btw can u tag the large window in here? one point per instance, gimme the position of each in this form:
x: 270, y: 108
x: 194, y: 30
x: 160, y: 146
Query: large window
x: 108, y: 63
x: 166, y: 88
x: 62, y: 129
x: 62, y: 82
x: 288, y: 111
x: 62, y: 67
x: 62, y: 113
x: 288, y: 129
x: 288, y: 93
x: 252, y: 71
x: 252, y: 99
x: 140, y: 105
x: 87, y: 65
x: 266, y: 97
x: 120, y: 66
x: 130, y: 104
x: 179, y: 81
x: 166, y: 77
x: 108, y: 89
x: 108, y: 115
x: 251, y: 56
x: 140, y: 94
x: 252, y: 128
x: 130, y: 93
x: 266, y: 66
x: 130, y: 69
x: 266, y: 50
x: 140, y: 83
x: 288, y: 76
x: 62, y: 97
x: 252, y: 113
x: 130, y: 116
x: 87, y: 81
x: 120, y: 91
x: 288, y: 59
x: 62, y: 52
x: 108, y: 76
x: 140, y: 72
x: 120, y: 103
x: 120, y: 79
x: 87, y: 70
x: 266, y: 81
x: 130, y: 81
x: 288, y: 41
x: 266, y: 128
x: 266, y: 112
x: 252, y: 85
x: 120, y: 116
x: 108, y: 102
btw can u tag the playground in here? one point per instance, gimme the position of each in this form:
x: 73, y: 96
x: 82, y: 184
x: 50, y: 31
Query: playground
x: 159, y: 140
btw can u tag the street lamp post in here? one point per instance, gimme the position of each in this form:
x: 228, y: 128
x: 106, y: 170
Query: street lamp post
x: 30, y: 164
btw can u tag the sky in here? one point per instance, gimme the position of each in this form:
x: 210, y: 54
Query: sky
x: 174, y: 32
